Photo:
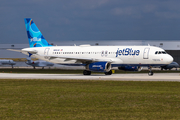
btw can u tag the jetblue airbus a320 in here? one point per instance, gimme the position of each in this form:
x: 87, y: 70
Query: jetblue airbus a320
x: 93, y: 58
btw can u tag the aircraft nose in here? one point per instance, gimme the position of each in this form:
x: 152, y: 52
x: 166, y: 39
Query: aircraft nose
x: 170, y: 59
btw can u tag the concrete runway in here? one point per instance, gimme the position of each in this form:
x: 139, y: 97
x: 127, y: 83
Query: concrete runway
x: 117, y: 77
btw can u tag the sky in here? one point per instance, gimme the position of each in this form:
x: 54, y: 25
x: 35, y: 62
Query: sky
x: 86, y: 20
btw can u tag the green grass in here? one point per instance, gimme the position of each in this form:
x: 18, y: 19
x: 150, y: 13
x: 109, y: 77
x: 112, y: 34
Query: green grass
x: 19, y: 59
x: 61, y: 71
x: 49, y: 71
x: 74, y: 100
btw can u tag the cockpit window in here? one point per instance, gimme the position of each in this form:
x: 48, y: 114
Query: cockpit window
x: 163, y: 52
x: 160, y: 52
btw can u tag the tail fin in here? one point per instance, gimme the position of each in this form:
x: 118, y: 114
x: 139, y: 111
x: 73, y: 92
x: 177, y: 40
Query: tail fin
x: 35, y: 37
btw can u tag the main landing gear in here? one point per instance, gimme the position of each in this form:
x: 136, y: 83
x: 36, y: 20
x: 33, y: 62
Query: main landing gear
x: 150, y: 73
x: 108, y: 73
x: 86, y: 72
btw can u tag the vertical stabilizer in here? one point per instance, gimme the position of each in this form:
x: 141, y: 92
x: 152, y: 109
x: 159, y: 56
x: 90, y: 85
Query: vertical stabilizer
x: 35, y: 37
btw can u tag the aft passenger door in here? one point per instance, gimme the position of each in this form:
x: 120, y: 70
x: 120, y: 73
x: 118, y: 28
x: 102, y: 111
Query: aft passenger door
x: 46, y: 51
x: 146, y: 53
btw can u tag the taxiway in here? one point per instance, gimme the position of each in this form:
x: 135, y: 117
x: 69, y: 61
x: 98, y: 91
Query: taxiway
x: 117, y: 77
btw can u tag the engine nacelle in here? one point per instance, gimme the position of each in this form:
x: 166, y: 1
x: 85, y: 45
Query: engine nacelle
x: 129, y: 68
x: 99, y: 66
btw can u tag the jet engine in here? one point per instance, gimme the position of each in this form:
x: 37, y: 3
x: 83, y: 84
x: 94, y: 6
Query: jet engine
x: 99, y: 66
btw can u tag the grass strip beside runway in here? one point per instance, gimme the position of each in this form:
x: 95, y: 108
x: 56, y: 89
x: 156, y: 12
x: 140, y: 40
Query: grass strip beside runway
x: 68, y: 99
x: 61, y: 71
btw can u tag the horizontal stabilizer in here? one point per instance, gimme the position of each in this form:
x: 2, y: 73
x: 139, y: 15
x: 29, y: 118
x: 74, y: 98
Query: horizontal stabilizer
x: 14, y: 50
x: 24, y: 50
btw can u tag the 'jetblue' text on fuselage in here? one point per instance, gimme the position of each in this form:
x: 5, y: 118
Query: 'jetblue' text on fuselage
x: 127, y: 51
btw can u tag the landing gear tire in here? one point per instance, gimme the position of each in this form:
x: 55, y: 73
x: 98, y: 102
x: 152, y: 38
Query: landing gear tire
x: 86, y: 72
x: 108, y: 73
x: 150, y: 73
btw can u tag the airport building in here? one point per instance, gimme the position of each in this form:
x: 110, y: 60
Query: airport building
x: 171, y: 46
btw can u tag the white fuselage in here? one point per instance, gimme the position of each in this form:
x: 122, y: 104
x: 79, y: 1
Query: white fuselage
x: 116, y: 55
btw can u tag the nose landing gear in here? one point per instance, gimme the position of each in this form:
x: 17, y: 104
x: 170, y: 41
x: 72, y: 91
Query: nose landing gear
x: 150, y: 73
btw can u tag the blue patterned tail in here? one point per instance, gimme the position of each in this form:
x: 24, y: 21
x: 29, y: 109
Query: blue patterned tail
x: 35, y: 37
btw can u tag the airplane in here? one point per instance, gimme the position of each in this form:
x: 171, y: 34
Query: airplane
x: 38, y: 63
x: 93, y: 58
x: 7, y: 62
x: 170, y: 66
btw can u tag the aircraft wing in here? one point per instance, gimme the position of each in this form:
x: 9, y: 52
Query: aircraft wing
x: 85, y: 59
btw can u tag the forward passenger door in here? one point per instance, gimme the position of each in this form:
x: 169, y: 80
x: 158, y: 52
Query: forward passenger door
x: 146, y: 53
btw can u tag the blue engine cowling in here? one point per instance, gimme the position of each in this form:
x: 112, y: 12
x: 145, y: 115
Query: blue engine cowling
x: 99, y: 67
x: 128, y: 68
